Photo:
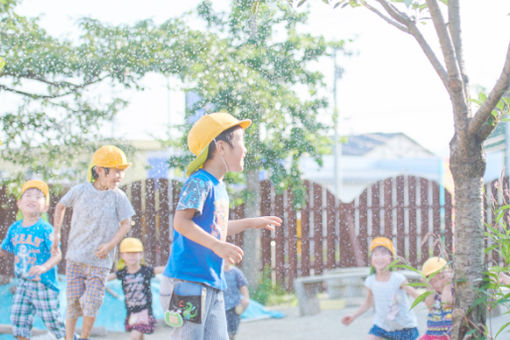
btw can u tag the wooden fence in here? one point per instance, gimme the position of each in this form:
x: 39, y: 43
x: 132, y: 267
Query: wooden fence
x: 323, y: 235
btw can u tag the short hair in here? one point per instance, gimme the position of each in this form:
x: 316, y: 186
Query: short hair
x: 225, y: 136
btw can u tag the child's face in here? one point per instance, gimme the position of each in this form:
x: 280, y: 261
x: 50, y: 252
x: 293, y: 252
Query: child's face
x: 234, y: 156
x: 441, y: 279
x: 381, y: 258
x: 111, y: 178
x: 32, y: 202
x: 131, y: 258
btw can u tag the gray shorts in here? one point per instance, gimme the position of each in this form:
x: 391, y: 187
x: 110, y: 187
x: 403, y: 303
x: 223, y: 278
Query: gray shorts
x: 214, y: 324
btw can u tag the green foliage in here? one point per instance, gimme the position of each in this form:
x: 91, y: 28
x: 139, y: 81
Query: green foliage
x: 58, y: 85
x: 253, y: 67
x: 265, y: 291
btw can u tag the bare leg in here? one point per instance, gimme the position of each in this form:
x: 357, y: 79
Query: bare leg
x: 373, y: 337
x: 22, y: 338
x: 136, y: 335
x: 88, y: 323
x: 70, y: 328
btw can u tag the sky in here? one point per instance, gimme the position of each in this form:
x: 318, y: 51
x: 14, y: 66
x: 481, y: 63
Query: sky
x: 388, y: 84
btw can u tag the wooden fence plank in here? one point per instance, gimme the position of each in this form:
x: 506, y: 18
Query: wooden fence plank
x: 401, y: 226
x: 412, y: 223
x: 305, y: 232
x: 265, y: 210
x: 331, y: 236
x: 163, y: 240
x: 424, y: 225
x: 280, y: 243
x: 291, y: 241
x: 363, y: 225
x: 317, y: 229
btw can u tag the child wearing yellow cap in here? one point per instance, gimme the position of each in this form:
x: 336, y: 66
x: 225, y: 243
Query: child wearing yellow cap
x: 193, y: 281
x: 101, y: 218
x: 30, y: 241
x: 387, y: 292
x: 440, y: 303
x: 136, y: 284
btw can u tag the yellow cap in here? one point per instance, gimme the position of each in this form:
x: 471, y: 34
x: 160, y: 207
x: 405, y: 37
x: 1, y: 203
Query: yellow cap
x: 37, y: 184
x: 382, y: 242
x: 203, y: 133
x: 131, y: 245
x: 110, y: 156
x: 433, y: 265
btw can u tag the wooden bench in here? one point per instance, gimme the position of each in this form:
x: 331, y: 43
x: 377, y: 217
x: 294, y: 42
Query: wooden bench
x: 307, y: 288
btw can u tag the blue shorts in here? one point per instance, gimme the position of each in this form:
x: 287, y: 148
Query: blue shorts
x: 401, y: 334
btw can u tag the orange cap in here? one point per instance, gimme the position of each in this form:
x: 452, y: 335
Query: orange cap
x: 203, y: 133
x: 382, y: 242
x: 36, y: 184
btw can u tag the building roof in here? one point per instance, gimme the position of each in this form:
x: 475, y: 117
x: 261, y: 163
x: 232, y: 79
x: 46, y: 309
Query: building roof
x: 361, y: 145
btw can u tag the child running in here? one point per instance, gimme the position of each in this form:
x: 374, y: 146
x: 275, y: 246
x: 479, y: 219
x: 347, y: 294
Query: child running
x: 386, y: 290
x: 193, y: 282
x: 101, y: 218
x: 136, y: 284
x: 439, y: 318
x: 237, y: 297
x: 30, y: 241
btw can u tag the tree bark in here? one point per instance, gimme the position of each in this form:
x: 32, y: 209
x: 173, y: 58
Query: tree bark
x: 467, y: 163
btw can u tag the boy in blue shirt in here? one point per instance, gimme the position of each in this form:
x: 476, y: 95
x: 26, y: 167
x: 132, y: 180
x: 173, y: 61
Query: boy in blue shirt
x: 30, y: 241
x: 193, y: 281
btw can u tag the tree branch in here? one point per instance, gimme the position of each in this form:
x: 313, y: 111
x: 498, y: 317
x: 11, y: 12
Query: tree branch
x: 385, y: 18
x: 454, y: 27
x: 455, y: 85
x: 484, y: 112
x: 57, y: 95
x: 413, y: 30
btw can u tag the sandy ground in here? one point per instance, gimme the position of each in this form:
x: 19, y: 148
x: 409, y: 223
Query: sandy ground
x: 325, y: 325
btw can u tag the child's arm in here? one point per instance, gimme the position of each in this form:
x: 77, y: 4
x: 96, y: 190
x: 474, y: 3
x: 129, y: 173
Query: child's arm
x: 504, y: 279
x: 43, y: 268
x: 409, y: 290
x: 266, y: 222
x: 111, y: 277
x: 159, y: 270
x: 245, y: 300
x: 184, y: 224
x: 105, y: 248
x: 348, y: 319
x: 58, y: 219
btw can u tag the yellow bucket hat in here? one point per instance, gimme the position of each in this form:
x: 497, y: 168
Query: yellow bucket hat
x: 36, y: 184
x: 131, y: 245
x: 433, y: 265
x: 203, y: 133
x: 382, y: 242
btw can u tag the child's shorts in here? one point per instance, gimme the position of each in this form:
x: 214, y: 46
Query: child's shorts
x: 145, y: 327
x: 233, y: 321
x: 214, y: 324
x: 401, y: 334
x: 86, y: 286
x: 32, y: 298
x: 435, y: 337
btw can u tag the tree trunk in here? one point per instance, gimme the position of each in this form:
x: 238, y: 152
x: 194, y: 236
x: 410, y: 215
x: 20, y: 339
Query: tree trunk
x: 251, y: 247
x: 467, y: 164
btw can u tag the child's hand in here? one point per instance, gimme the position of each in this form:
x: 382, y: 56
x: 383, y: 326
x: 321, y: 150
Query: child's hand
x: 229, y: 252
x: 36, y: 271
x: 268, y: 222
x: 347, y: 320
x: 55, y: 250
x: 103, y: 250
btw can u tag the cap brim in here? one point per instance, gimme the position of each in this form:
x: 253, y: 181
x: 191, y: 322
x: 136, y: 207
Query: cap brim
x: 244, y: 123
x: 197, y: 162
x: 123, y: 166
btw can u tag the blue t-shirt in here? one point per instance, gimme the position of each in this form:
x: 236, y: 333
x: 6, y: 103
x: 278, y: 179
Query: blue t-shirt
x: 235, y: 280
x: 31, y: 246
x: 191, y: 261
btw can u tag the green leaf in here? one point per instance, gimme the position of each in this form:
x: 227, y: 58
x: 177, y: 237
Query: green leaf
x: 421, y: 298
